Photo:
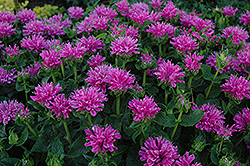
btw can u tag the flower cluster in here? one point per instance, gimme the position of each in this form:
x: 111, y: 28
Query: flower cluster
x: 75, y: 12
x: 96, y: 60
x: 26, y: 15
x: 35, y: 27
x: 161, y: 29
x: 229, y: 11
x: 239, y: 34
x: 245, y: 18
x: 6, y: 29
x: 50, y: 58
x: 191, y: 62
x: 169, y: 11
x: 34, y: 43
x: 7, y: 77
x: 8, y: 110
x: 184, y: 43
x: 91, y: 44
x: 242, y: 119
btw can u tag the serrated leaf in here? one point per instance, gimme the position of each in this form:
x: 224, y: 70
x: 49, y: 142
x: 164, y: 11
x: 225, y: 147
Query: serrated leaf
x: 24, y: 137
x: 200, y: 99
x: 41, y: 145
x: 135, y: 135
x: 206, y: 70
x: 19, y: 88
x: 77, y: 148
x: 102, y: 36
x: 192, y: 118
x: 57, y: 146
x: 9, y: 161
x: 165, y: 120
x: 13, y: 137
x: 35, y: 105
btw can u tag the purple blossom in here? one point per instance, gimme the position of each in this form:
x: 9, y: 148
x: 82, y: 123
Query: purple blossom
x: 224, y: 132
x: 244, y: 58
x: 245, y: 17
x: 91, y: 44
x: 186, y: 160
x: 122, y: 7
x: 105, y: 12
x: 7, y: 77
x: 24, y: 113
x: 69, y: 51
x: 140, y: 6
x: 200, y: 24
x: 8, y: 110
x: 191, y: 62
x: 101, y: 23
x: 75, y: 12
x: 237, y: 87
x: 158, y: 151
x: 34, y: 43
x: 51, y: 58
x: 242, y: 119
x: 88, y: 100
x: 212, y: 118
x: 87, y: 24
x: 101, y: 139
x: 143, y: 109
x: 26, y: 15
x: 96, y: 60
x: 229, y: 11
x: 138, y: 16
x: 169, y: 11
x: 33, y: 69
x: 35, y: 27
x: 11, y: 52
x: 184, y: 43
x: 156, y: 3
x: 146, y: 59
x: 132, y: 32
x: 239, y: 34
x: 169, y: 73
x: 6, y: 29
x: 7, y: 17
x: 155, y: 16
x: 160, y: 30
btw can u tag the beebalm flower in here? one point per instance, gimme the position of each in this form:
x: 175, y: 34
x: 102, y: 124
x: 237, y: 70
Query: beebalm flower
x: 237, y: 87
x: 245, y: 17
x: 24, y: 113
x: 244, y: 58
x: 120, y: 80
x: 169, y: 73
x: 169, y: 11
x: 105, y: 12
x: 88, y: 100
x: 124, y: 46
x: 156, y: 3
x: 7, y: 17
x: 11, y: 52
x: 186, y: 160
x: 34, y: 43
x: 7, y: 77
x: 76, y: 52
x: 102, y: 139
x: 143, y: 109
x: 75, y: 12
x: 242, y: 120
x: 212, y: 118
x: 191, y: 62
x: 60, y: 107
x: 35, y: 27
x: 140, y: 6
x: 158, y: 151
x: 138, y: 16
x: 239, y: 34
x: 122, y: 7
x: 155, y: 16
x: 54, y: 29
x: 160, y: 30
x: 132, y: 32
x: 146, y: 59
x: 46, y: 93
x: 26, y: 15
x: 87, y: 25
x: 224, y: 132
x: 91, y: 44
x: 57, y: 19
x: 229, y: 11
x: 51, y: 58
x: 101, y: 23
x: 98, y: 75
x: 8, y: 110
x: 200, y: 24
x: 33, y: 69
x: 6, y: 29
x: 184, y: 43
x: 96, y: 60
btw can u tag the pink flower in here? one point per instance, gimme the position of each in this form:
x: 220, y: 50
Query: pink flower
x: 101, y: 139
x: 105, y: 12
x: 143, y: 109
x: 158, y: 151
x: 101, y: 23
x: 46, y: 93
x: 186, y: 160
x: 224, y: 132
x: 122, y: 7
x: 169, y: 11
x: 75, y: 12
x: 169, y: 73
x: 155, y: 16
x: 239, y: 34
x: 12, y: 51
x: 34, y: 43
x: 91, y: 44
x: 242, y: 119
x: 6, y: 29
x: 156, y: 3
x: 138, y: 16
x: 88, y: 100
x: 7, y: 77
x: 192, y: 64
x: 7, y: 17
x: 87, y: 25
x: 120, y: 80
x: 229, y: 11
x: 54, y: 29
x: 98, y: 75
x: 24, y: 113
x: 124, y: 46
x: 96, y: 60
x: 140, y: 6
x: 34, y: 27
x: 60, y: 106
x: 51, y: 58
x: 33, y: 69
x: 76, y: 52
x: 146, y: 59
x: 187, y: 19
x: 184, y: 43
x: 200, y: 24
x: 132, y: 32
x: 244, y: 58
x: 8, y: 110
x: 160, y: 30
x: 159, y: 62
x: 245, y: 17
x: 26, y: 15
x: 212, y: 118
x: 237, y: 87
x: 58, y: 19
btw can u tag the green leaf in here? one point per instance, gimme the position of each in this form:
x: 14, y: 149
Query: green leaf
x: 57, y: 147
x: 41, y: 145
x: 77, y: 148
x: 192, y: 118
x: 102, y: 36
x: 207, y: 72
x: 18, y: 87
x: 214, y: 154
x: 2, y: 131
x: 200, y: 99
x: 13, y: 137
x: 24, y: 137
x: 135, y: 135
x: 215, y: 91
x: 9, y: 161
x: 35, y: 105
x: 165, y: 120
x: 152, y: 90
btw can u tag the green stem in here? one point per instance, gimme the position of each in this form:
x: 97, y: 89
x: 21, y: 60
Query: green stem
x: 140, y: 34
x: 53, y: 77
x: 160, y: 49
x: 221, y: 145
x: 144, y: 78
x: 118, y: 105
x: 30, y: 128
x: 67, y: 131
x: 239, y: 140
x: 62, y: 68
x: 248, y: 77
x: 166, y: 98
x: 141, y: 137
x: 26, y: 95
x: 176, y: 126
x: 89, y: 119
x: 75, y: 73
x: 190, y: 82
x: 123, y: 64
x: 212, y: 82
x: 116, y: 61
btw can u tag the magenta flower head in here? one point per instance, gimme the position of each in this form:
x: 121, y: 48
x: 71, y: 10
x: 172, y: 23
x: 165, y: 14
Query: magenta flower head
x: 244, y: 58
x: 160, y: 30
x: 212, y: 118
x: 155, y: 16
x: 75, y: 12
x: 60, y: 107
x: 224, y: 132
x: 120, y: 80
x: 7, y: 17
x: 33, y: 69
x: 91, y: 44
x: 102, y: 139
x: 132, y: 32
x: 158, y: 151
x: 11, y: 52
x: 156, y: 3
x: 26, y: 15
x: 242, y: 120
x: 143, y: 109
x: 105, y: 12
x: 229, y: 11
x: 245, y: 17
x: 88, y: 100
x: 169, y: 73
x: 96, y: 60
x: 34, y: 43
x: 24, y: 113
x: 191, y: 62
x: 8, y: 110
x: 69, y: 51
x: 51, y: 59
x: 236, y: 87
x: 122, y: 7
x: 138, y: 16
x: 46, y: 93
x: 239, y: 34
x: 200, y: 24
x: 184, y: 43
x: 146, y: 60
x: 101, y: 23
x: 140, y: 6
x: 87, y: 25
x: 186, y: 160
x: 169, y: 11
x: 7, y: 77
x: 35, y: 27
x: 124, y: 46
x: 6, y: 29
